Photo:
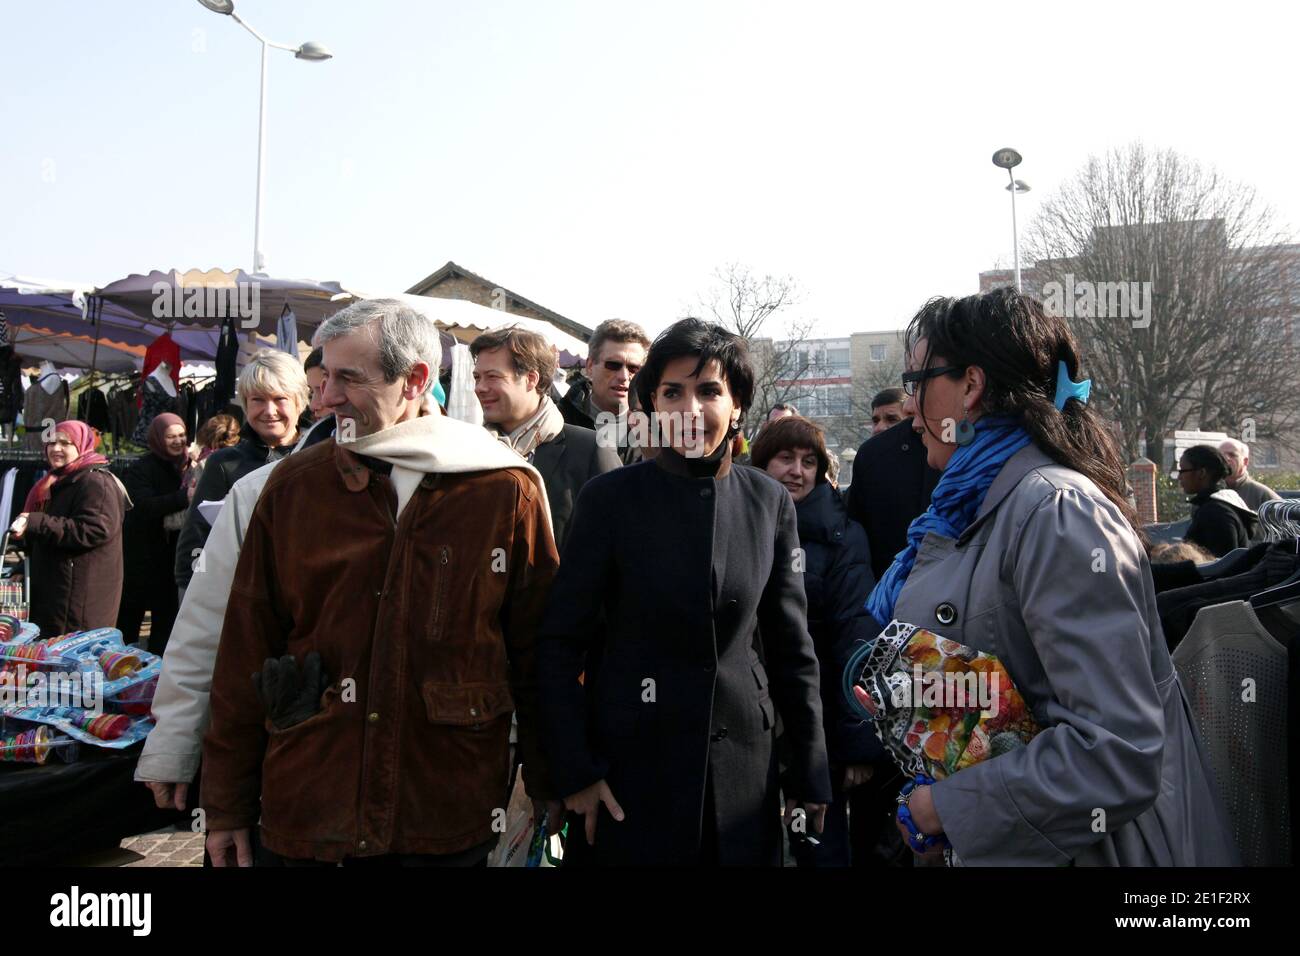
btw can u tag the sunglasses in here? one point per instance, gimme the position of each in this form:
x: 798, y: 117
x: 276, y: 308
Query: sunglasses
x: 614, y: 365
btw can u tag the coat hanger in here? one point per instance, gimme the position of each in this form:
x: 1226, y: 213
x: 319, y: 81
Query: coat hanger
x: 1288, y: 592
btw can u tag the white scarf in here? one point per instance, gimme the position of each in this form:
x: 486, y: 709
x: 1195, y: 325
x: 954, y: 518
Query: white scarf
x: 435, y: 444
x: 542, y: 426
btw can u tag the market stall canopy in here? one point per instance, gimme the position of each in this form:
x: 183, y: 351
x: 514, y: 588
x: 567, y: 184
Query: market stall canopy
x: 47, y: 321
x: 69, y: 308
x: 198, y: 300
x: 465, y: 320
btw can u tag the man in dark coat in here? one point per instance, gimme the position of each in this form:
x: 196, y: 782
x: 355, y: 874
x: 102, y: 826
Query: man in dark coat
x: 891, y: 486
x: 513, y: 369
x: 615, y: 354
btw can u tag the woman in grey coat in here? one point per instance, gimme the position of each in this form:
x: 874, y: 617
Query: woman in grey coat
x: 1029, y: 551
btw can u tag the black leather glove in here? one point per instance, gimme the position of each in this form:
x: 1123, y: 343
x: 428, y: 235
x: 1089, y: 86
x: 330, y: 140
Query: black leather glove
x: 287, y: 696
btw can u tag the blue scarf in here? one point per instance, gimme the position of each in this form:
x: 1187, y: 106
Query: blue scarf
x: 955, y: 502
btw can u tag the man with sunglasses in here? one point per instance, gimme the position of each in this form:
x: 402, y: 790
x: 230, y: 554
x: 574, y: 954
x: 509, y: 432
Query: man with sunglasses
x: 615, y: 354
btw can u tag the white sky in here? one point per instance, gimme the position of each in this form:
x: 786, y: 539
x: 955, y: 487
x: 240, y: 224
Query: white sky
x: 603, y: 158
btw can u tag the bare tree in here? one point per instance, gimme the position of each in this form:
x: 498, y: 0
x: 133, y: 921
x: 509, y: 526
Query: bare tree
x: 1207, y: 341
x: 746, y: 303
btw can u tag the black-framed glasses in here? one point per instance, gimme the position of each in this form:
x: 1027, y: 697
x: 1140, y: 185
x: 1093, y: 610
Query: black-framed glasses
x: 614, y: 365
x: 910, y: 379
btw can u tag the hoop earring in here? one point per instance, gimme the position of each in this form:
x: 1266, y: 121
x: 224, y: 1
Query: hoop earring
x: 965, y: 432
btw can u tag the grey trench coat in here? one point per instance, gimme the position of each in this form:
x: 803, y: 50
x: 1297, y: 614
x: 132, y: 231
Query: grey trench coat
x: 1051, y: 579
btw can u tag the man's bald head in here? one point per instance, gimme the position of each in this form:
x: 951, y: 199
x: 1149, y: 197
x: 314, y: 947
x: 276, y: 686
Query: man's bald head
x: 1237, y: 455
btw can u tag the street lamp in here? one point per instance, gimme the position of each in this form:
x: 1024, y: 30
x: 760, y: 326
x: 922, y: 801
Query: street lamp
x: 1009, y: 159
x: 307, y: 51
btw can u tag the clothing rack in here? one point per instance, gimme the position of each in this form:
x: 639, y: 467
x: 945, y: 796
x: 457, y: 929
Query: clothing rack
x: 1280, y: 518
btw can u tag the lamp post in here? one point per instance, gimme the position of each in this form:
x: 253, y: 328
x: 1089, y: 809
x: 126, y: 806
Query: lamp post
x: 1009, y: 159
x: 307, y: 51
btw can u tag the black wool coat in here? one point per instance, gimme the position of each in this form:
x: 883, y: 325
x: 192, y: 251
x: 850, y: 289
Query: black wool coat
x: 837, y: 579
x: 674, y: 574
x: 891, y: 486
x: 75, y: 547
x: 148, y: 550
x: 566, y: 463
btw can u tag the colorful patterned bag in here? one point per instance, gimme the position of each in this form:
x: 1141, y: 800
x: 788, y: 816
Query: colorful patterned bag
x: 936, y: 705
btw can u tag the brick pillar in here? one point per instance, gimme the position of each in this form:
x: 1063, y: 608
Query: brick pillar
x: 1142, y: 475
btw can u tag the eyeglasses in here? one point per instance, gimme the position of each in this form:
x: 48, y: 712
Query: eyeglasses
x: 614, y: 365
x: 910, y: 379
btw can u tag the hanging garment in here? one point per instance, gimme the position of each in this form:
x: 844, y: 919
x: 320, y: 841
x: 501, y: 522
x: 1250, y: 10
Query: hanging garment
x: 286, y: 332
x: 1178, y: 608
x: 162, y: 349
x: 1227, y: 651
x: 11, y: 385
x: 156, y: 401
x: 92, y: 408
x: 41, y: 406
x: 190, y: 409
x: 227, y: 352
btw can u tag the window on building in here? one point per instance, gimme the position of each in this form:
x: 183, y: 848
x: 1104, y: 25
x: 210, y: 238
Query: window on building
x: 1264, y: 456
x: 879, y: 353
x: 838, y: 362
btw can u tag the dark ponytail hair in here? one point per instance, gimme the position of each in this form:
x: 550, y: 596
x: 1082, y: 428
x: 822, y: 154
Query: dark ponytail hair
x: 1209, y: 458
x: 1018, y: 345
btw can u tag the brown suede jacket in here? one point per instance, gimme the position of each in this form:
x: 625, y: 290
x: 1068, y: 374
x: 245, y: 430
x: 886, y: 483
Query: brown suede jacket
x: 426, y: 628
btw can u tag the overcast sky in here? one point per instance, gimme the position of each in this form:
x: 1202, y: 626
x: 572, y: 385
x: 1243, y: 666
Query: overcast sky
x: 603, y: 158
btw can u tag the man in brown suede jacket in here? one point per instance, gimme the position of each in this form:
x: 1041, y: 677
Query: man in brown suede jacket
x: 414, y: 555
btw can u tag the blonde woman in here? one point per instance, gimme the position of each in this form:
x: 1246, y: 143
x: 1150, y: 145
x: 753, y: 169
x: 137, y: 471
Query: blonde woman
x: 273, y: 393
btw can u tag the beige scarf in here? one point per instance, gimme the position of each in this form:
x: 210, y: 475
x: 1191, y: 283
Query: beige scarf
x: 435, y: 444
x: 541, y: 427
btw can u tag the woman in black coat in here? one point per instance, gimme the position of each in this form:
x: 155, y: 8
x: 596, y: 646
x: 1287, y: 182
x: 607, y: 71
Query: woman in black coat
x: 274, y: 394
x: 1221, y: 520
x: 72, y: 526
x: 156, y: 485
x: 665, y: 748
x: 837, y: 579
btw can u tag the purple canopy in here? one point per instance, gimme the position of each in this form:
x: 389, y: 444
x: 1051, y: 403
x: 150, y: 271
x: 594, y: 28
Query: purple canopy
x: 193, y: 304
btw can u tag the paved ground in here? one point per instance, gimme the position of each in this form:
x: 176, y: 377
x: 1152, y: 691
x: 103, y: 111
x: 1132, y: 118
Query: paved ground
x: 165, y: 848
x: 161, y: 848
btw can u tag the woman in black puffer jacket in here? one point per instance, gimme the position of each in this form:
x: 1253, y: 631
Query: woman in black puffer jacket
x: 273, y: 393
x: 837, y: 580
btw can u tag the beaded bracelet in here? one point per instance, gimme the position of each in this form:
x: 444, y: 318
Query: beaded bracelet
x: 915, y: 838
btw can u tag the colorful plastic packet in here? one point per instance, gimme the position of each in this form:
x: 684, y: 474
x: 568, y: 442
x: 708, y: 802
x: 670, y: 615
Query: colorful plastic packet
x: 101, y: 651
x: 36, y: 745
x: 86, y: 726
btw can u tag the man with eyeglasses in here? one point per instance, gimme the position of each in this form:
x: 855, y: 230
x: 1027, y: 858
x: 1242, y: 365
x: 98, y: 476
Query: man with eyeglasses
x: 615, y: 354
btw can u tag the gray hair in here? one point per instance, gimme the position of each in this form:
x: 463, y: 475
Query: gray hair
x: 271, y: 372
x: 403, y: 335
x: 1241, y: 447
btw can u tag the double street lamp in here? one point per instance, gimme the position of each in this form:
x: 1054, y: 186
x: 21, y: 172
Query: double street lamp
x: 307, y: 51
x: 1009, y: 159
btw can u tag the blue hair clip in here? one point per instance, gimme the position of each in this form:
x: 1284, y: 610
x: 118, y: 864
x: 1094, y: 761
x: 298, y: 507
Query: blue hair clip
x: 439, y: 395
x: 1066, y: 389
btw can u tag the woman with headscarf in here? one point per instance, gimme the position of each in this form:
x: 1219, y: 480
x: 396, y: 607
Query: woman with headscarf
x: 72, y: 525
x: 156, y: 484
